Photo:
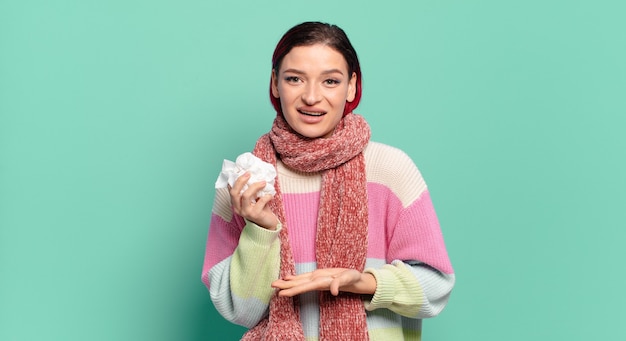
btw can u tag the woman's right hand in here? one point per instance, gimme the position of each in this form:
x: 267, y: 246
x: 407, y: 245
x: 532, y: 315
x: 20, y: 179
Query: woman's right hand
x: 251, y: 207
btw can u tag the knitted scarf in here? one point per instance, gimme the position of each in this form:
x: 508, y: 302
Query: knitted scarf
x: 341, y: 239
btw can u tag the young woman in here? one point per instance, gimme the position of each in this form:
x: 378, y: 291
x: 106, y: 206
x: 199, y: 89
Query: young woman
x: 350, y: 247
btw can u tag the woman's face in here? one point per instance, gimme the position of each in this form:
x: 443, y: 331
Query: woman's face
x: 313, y: 86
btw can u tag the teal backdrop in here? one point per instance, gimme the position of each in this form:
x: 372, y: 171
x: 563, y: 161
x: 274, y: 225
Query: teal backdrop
x: 115, y: 117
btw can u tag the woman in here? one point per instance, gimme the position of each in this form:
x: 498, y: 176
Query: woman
x: 349, y: 247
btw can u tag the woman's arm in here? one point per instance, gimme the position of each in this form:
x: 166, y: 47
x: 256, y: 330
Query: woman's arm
x: 414, y: 274
x: 418, y: 277
x: 240, y: 264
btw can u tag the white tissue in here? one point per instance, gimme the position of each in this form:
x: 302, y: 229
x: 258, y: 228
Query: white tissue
x: 246, y: 162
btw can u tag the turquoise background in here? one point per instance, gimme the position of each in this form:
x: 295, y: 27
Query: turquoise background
x: 115, y: 117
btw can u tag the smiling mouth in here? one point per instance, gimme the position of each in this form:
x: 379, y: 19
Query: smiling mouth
x: 311, y: 113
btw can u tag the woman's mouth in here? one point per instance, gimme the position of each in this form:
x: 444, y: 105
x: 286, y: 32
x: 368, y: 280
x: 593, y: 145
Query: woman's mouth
x: 311, y: 113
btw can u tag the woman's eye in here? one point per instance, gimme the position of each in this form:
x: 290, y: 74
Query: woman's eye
x: 292, y: 79
x: 331, y: 82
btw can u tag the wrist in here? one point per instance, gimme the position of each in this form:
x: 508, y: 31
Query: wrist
x: 366, y: 285
x: 271, y: 225
x: 369, y: 283
x: 275, y: 224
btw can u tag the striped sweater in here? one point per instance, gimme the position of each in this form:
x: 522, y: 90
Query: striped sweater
x: 406, y: 251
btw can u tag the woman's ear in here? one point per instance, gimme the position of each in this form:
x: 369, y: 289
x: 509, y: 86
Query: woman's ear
x: 352, y: 88
x: 275, y: 84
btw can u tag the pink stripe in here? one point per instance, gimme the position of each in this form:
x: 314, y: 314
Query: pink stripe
x: 302, y: 208
x: 384, y: 208
x: 419, y: 237
x: 410, y: 233
x: 222, y: 241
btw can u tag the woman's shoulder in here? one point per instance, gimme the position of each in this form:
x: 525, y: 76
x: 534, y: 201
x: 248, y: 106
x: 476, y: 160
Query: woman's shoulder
x: 385, y: 157
x: 393, y: 168
x: 374, y: 148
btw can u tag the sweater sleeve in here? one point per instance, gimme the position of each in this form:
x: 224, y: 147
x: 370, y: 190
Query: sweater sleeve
x: 415, y: 291
x: 240, y: 265
x: 417, y: 277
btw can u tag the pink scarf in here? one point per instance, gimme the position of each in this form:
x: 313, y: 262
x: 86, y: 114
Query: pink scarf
x: 341, y: 239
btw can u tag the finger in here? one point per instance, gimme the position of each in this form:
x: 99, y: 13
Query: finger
x: 240, y: 183
x: 262, y: 201
x: 235, y: 192
x: 280, y: 284
x: 334, y: 286
x: 249, y: 196
x: 287, y: 284
x: 253, y: 190
x: 304, y: 275
x: 319, y: 284
x: 319, y: 273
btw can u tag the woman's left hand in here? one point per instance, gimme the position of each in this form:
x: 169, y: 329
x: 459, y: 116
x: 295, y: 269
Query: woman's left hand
x: 331, y: 279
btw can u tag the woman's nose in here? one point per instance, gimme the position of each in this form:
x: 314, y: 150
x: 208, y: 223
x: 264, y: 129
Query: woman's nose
x: 311, y: 94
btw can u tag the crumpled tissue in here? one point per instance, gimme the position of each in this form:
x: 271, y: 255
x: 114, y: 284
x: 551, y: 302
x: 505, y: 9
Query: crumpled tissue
x: 246, y: 162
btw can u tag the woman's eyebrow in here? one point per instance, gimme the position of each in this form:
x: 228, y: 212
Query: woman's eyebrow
x: 326, y: 72
x: 332, y: 71
x: 296, y: 71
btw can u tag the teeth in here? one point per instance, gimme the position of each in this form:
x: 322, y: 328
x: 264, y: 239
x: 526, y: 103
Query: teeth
x: 312, y: 113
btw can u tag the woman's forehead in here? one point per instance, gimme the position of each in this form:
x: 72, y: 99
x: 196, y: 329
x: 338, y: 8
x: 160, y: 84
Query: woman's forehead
x: 314, y: 58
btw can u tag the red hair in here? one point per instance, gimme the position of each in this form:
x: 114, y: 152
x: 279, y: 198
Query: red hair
x: 311, y: 33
